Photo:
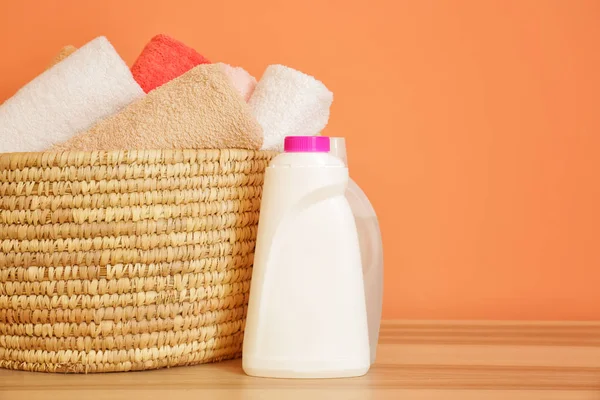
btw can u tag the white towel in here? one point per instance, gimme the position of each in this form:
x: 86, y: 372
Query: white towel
x: 287, y: 102
x: 92, y: 83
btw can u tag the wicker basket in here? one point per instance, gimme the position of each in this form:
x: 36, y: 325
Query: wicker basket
x: 125, y: 260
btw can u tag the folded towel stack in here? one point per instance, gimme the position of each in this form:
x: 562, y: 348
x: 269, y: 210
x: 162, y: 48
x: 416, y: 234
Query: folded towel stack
x: 88, y: 85
x: 172, y: 98
x: 287, y: 102
x: 199, y: 109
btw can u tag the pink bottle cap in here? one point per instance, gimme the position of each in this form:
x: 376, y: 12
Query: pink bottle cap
x: 306, y: 144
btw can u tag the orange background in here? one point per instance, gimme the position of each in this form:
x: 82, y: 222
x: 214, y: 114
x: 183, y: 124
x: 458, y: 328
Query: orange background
x: 472, y: 125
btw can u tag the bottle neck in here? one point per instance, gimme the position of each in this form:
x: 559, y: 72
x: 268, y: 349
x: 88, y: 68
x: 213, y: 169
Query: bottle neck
x: 338, y: 148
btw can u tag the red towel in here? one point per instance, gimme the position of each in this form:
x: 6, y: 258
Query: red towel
x: 162, y: 60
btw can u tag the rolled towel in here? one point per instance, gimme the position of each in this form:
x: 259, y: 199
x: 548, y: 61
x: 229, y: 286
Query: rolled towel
x: 162, y: 60
x: 92, y: 83
x: 241, y: 80
x: 287, y: 102
x: 199, y: 109
x: 64, y: 53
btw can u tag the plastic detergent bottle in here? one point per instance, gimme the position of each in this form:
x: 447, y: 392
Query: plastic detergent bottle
x: 306, y: 314
x: 371, y: 247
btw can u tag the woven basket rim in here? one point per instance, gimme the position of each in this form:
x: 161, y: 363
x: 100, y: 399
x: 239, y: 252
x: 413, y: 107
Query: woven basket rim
x: 18, y: 160
x: 233, y: 149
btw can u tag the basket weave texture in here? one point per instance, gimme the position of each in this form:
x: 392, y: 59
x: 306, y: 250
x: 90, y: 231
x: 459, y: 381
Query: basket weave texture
x: 126, y: 260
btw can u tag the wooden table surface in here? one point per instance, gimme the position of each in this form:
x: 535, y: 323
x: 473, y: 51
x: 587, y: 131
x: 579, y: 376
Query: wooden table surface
x: 416, y: 360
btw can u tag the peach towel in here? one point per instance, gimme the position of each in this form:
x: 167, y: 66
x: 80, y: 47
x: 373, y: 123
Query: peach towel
x: 199, y: 109
x: 64, y: 53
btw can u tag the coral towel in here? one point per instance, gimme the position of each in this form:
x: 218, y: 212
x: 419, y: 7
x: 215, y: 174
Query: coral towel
x: 90, y: 84
x: 162, y: 60
x: 287, y: 102
x: 199, y: 109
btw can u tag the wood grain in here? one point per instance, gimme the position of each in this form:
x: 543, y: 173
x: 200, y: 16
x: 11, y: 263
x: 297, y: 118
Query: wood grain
x: 416, y: 360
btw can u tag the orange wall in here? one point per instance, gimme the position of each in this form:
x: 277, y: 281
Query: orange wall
x: 472, y: 125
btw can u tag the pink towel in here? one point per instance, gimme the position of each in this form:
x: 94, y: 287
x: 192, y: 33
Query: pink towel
x: 241, y: 80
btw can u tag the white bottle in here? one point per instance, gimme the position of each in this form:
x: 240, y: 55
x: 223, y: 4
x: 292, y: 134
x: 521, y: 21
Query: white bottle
x: 306, y: 314
x: 371, y: 248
